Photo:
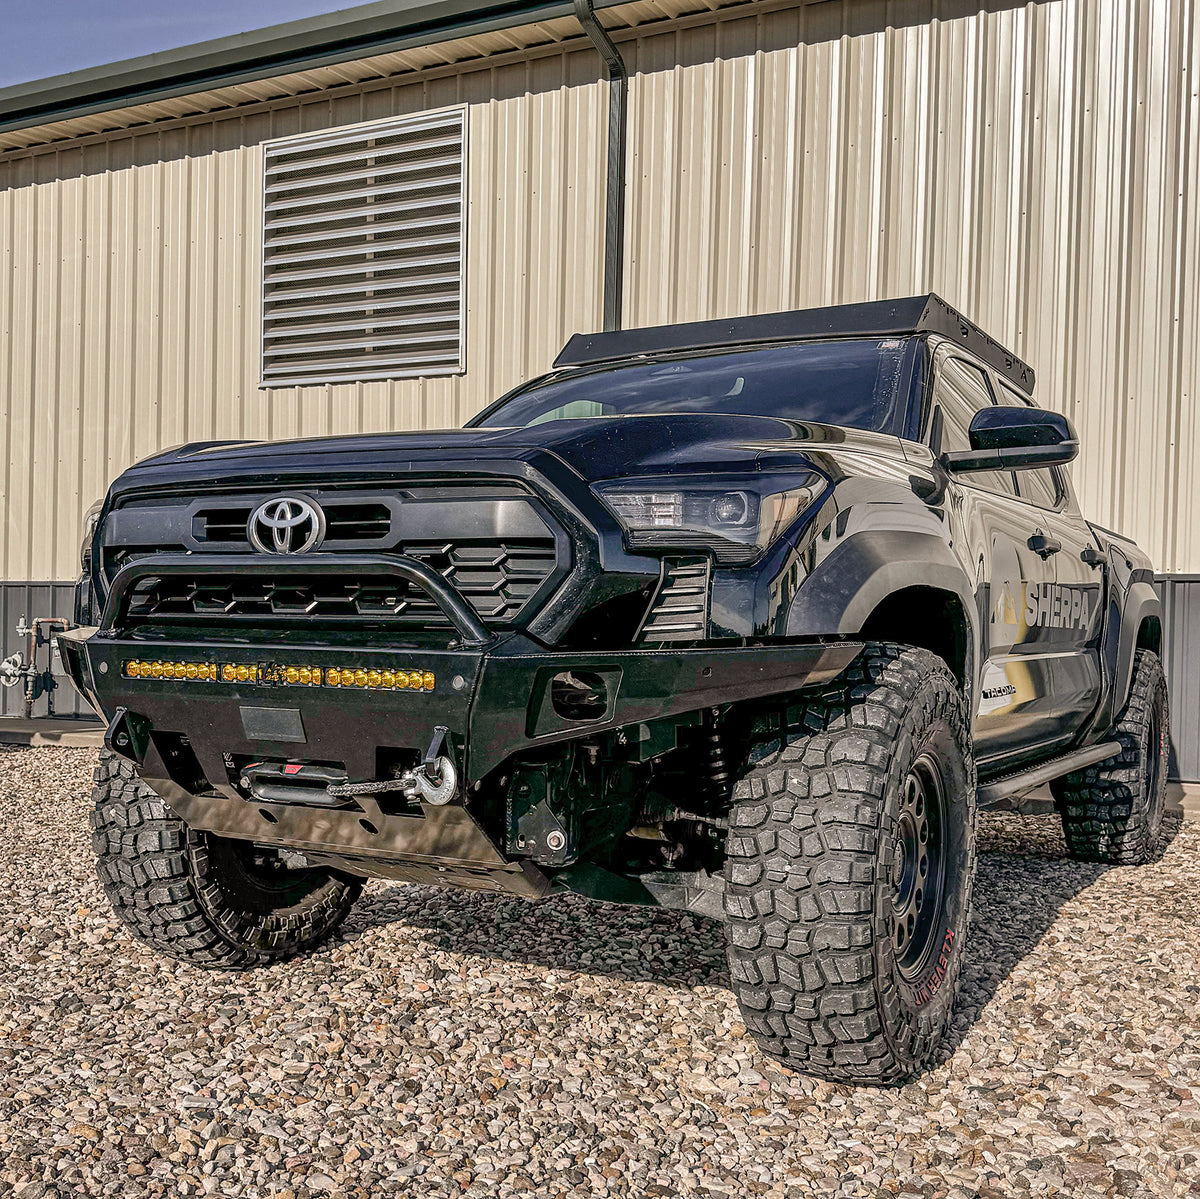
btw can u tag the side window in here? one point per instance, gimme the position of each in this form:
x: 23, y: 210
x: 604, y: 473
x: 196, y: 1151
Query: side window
x: 576, y: 409
x: 962, y: 390
x: 1041, y: 487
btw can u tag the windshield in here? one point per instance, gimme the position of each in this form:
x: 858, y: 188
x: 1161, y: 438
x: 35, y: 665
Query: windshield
x: 853, y: 383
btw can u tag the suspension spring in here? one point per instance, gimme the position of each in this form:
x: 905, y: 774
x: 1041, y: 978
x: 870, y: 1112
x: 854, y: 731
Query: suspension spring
x: 720, y: 776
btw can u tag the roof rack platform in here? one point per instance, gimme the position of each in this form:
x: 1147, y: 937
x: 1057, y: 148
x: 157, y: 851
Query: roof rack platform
x: 878, y: 318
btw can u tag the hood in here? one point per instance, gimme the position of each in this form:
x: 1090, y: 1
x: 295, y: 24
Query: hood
x: 595, y: 449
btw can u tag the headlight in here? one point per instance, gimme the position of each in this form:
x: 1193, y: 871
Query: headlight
x: 737, y: 524
x: 91, y: 518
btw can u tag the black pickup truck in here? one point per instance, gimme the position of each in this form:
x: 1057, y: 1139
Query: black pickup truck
x: 744, y: 617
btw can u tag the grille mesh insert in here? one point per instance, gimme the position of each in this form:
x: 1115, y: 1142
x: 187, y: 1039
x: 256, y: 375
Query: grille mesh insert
x: 497, y: 580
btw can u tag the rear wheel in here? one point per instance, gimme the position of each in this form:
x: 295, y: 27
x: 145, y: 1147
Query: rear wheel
x: 208, y: 900
x: 849, y: 867
x: 1112, y: 811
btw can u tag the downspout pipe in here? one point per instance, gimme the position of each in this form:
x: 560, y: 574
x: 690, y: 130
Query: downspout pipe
x: 614, y: 202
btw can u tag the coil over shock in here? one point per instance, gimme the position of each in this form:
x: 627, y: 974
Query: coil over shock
x: 720, y: 776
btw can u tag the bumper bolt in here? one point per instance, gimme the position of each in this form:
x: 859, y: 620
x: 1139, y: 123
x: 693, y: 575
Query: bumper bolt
x: 555, y: 840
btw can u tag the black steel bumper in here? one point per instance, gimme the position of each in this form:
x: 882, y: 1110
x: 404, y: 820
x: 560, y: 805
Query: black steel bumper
x: 494, y: 694
x: 495, y: 699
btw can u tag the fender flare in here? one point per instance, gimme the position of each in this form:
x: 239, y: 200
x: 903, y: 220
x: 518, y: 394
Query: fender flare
x: 842, y: 592
x: 1141, y: 601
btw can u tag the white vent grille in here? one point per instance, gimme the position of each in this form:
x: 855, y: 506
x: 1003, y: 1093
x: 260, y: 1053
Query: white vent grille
x: 363, y: 252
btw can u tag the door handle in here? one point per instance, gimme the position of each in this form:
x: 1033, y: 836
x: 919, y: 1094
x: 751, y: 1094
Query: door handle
x: 1092, y: 556
x: 1044, y: 546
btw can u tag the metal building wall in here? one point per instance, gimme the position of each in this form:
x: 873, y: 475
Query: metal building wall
x: 1035, y: 164
x: 1181, y: 637
x: 129, y: 285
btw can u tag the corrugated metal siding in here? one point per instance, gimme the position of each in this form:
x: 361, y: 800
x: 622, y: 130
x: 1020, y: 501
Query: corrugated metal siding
x: 1181, y: 637
x: 30, y: 600
x: 1035, y: 164
x: 129, y: 287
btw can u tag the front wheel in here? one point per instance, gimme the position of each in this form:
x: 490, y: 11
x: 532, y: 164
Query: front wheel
x: 207, y: 900
x: 850, y: 860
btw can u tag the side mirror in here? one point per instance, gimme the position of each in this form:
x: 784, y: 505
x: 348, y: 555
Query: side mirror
x: 1005, y: 438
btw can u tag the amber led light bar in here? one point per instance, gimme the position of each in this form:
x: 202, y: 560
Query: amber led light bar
x: 282, y: 676
x: 204, y: 672
x: 388, y: 680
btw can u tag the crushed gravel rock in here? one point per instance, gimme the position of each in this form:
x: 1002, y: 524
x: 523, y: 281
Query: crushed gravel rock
x: 450, y: 1044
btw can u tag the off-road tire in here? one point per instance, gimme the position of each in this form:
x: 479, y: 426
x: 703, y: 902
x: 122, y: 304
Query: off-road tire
x: 1112, y: 812
x: 198, y: 897
x: 811, y: 870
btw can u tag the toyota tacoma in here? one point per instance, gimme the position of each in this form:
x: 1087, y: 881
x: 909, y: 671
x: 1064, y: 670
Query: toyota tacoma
x: 744, y: 617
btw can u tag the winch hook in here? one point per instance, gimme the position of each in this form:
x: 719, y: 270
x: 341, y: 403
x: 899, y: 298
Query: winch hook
x: 436, y: 777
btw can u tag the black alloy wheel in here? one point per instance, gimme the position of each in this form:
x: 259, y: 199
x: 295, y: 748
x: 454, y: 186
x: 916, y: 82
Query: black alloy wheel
x: 918, y: 868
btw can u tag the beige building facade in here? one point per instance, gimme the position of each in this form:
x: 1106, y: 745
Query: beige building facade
x: 1033, y: 163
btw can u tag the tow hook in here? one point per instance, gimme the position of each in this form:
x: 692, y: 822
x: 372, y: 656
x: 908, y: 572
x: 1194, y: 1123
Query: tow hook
x: 128, y: 736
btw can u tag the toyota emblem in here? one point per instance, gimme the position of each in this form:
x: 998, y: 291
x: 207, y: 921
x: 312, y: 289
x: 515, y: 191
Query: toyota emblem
x: 286, y: 525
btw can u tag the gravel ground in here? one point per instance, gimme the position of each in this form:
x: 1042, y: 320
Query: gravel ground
x: 450, y: 1044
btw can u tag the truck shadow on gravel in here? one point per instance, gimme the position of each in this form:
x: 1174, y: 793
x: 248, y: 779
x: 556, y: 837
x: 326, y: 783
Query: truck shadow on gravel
x: 1023, y: 881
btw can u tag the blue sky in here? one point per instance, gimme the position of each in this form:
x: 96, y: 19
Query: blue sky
x: 51, y: 37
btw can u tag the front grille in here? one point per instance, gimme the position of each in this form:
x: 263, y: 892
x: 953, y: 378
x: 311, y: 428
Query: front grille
x: 680, y: 612
x: 354, y: 521
x: 493, y: 540
x: 496, y: 579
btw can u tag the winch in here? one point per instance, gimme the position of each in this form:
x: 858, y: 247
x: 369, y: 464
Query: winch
x: 434, y: 780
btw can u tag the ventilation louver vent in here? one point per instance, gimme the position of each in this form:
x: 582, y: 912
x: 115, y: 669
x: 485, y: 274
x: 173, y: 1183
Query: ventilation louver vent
x: 363, y: 252
x: 680, y: 612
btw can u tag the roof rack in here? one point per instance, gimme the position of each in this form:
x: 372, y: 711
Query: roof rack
x: 878, y: 318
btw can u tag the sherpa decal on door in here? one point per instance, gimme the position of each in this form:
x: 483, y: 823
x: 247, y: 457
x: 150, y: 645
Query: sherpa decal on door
x: 1042, y: 605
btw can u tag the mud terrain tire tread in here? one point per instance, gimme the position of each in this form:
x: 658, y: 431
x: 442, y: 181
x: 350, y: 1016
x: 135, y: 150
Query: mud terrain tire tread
x: 1107, y: 812
x: 164, y: 882
x: 809, y: 954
